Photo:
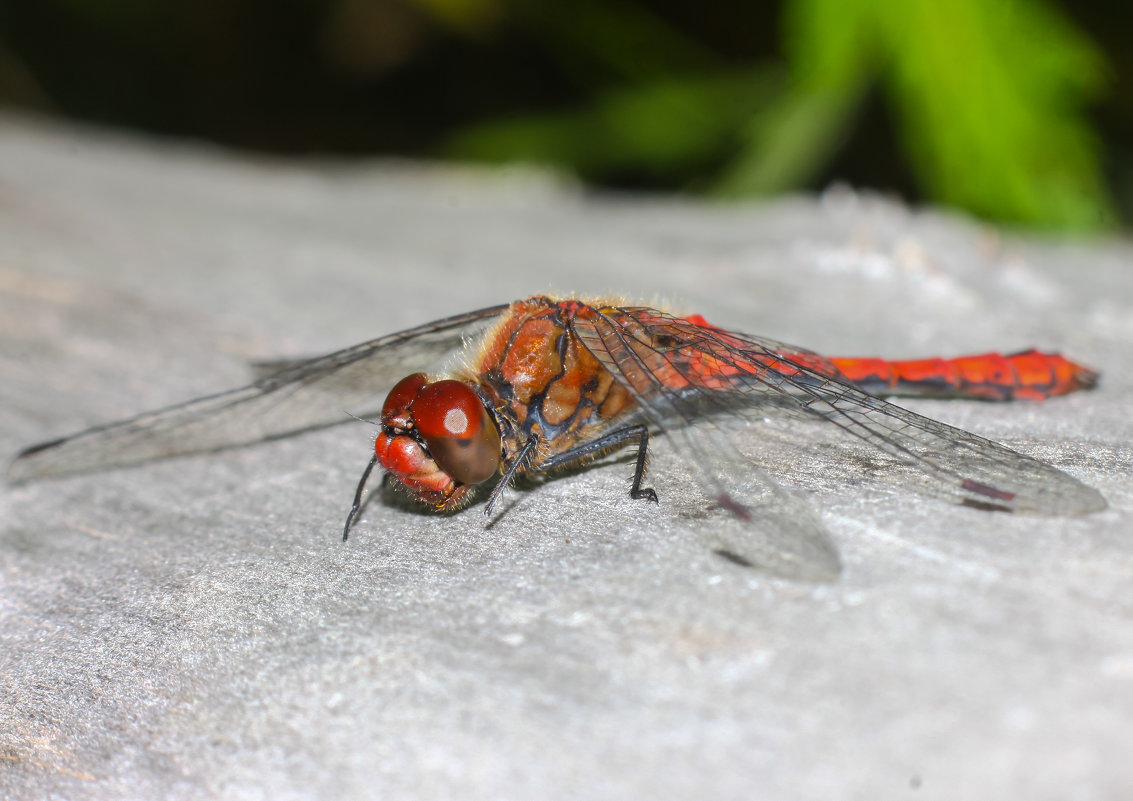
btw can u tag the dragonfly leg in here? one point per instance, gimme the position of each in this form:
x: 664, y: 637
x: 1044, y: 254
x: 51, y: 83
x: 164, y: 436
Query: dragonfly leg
x: 607, y: 443
x: 526, y: 453
x: 358, y: 495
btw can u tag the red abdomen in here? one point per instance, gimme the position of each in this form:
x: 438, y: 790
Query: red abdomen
x: 1028, y: 375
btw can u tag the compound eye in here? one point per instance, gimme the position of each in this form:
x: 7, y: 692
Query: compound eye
x: 461, y: 436
x: 399, y: 398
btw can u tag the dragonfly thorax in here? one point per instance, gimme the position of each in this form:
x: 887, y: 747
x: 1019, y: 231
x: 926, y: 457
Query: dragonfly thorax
x: 437, y: 439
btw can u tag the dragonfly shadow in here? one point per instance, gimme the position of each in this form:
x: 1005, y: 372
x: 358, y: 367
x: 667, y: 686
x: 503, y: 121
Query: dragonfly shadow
x: 784, y: 540
x: 734, y: 558
x: 393, y: 495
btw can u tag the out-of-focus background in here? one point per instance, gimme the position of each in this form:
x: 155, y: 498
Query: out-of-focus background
x: 1018, y: 111
x: 196, y: 628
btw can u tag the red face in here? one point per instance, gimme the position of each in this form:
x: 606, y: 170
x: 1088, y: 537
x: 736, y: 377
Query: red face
x: 437, y: 439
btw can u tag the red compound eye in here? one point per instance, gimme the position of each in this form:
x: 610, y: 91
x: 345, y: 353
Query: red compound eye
x: 396, y: 408
x: 447, y: 409
x: 461, y: 436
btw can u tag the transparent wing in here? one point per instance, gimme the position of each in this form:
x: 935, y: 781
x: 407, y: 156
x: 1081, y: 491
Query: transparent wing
x: 680, y: 371
x: 769, y: 526
x: 300, y: 396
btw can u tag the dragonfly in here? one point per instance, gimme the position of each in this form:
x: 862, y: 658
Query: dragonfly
x: 542, y: 384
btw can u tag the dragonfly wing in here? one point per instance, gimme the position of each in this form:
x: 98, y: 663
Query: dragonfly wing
x: 769, y: 526
x: 301, y: 396
x: 679, y: 371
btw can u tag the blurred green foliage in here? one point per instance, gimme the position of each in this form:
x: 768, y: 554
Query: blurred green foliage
x: 1004, y: 108
x: 990, y: 97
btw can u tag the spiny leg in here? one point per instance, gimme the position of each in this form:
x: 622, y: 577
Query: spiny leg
x: 607, y: 443
x: 526, y: 453
x: 358, y: 496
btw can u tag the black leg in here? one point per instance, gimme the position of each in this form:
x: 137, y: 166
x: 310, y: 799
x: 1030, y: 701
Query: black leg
x: 358, y: 496
x: 607, y: 443
x: 523, y: 457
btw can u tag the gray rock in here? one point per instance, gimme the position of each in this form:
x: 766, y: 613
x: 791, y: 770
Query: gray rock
x: 195, y: 627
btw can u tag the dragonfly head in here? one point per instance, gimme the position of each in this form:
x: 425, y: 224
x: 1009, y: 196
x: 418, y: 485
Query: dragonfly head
x: 438, y: 439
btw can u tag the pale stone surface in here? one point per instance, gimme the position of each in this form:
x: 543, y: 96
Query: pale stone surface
x: 195, y: 627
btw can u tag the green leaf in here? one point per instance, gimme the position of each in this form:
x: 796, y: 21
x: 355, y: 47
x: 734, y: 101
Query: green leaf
x: 989, y: 95
x: 790, y: 140
x: 662, y: 127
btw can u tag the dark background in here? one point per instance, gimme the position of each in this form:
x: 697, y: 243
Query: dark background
x: 653, y: 94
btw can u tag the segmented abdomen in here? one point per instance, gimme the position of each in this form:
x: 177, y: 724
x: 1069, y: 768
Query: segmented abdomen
x: 1028, y: 375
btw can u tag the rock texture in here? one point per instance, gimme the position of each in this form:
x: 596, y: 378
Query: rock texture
x: 195, y: 628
